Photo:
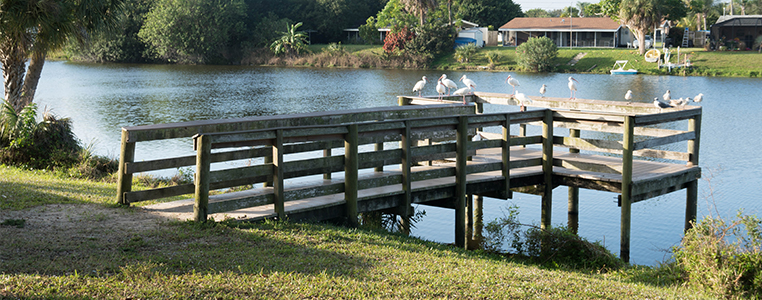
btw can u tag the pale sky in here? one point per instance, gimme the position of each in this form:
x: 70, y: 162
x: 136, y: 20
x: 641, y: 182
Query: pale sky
x: 548, y: 4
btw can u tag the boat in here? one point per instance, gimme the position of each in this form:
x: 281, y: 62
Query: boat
x: 619, y: 69
x: 652, y: 55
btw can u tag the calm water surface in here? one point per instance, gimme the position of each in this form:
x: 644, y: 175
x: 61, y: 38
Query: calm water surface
x: 103, y: 98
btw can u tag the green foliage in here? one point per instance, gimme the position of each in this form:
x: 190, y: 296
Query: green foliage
x: 291, y: 42
x: 537, y: 13
x: 394, y: 16
x: 17, y: 129
x: 537, y: 54
x: 369, y: 31
x: 570, y: 10
x: 335, y: 49
x: 489, y: 12
x: 195, y: 31
x: 493, y: 57
x: 464, y: 53
x: 592, y: 10
x: 269, y: 29
x: 610, y: 8
x: 432, y: 39
x: 724, y: 257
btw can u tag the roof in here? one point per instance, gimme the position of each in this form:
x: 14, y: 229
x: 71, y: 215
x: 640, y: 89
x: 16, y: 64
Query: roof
x: 561, y: 24
x: 747, y: 20
x: 466, y: 24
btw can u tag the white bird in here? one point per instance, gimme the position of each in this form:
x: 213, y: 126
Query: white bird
x: 667, y: 96
x: 448, y: 83
x: 441, y: 89
x: 698, y: 98
x: 628, y: 96
x: 468, y: 82
x: 543, y: 89
x: 419, y: 86
x: 479, y: 137
x: 659, y: 104
x: 572, y: 87
x: 680, y: 103
x: 523, y: 100
x: 513, y: 82
x: 462, y: 92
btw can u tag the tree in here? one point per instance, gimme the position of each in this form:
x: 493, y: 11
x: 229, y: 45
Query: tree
x: 592, y: 10
x: 489, y: 12
x: 537, y: 13
x: 419, y: 7
x: 369, y: 31
x: 291, y: 41
x: 570, y: 11
x: 394, y: 15
x: 640, y: 16
x: 29, y: 29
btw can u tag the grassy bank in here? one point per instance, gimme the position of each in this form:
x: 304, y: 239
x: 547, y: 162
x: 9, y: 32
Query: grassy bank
x: 73, y: 244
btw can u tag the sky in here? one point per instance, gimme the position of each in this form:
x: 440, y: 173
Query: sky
x: 549, y: 4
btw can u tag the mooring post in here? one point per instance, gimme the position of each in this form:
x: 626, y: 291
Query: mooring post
x: 506, y: 147
x: 406, y: 179
x: 691, y: 195
x: 573, y: 214
x: 126, y: 156
x: 461, y: 140
x: 203, y: 167
x: 627, y: 145
x: 547, y: 169
x: 351, y: 166
x: 277, y: 183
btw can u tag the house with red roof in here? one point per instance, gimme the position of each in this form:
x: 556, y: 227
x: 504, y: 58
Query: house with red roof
x: 567, y: 32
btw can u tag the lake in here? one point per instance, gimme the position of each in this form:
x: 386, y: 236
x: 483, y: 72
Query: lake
x: 102, y: 98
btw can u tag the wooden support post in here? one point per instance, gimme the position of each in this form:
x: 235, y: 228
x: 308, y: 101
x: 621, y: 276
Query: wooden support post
x: 406, y: 179
x: 460, y: 181
x: 327, y: 153
x: 470, y: 222
x: 269, y: 181
x: 573, y: 213
x: 506, y: 168
x: 351, y: 166
x: 547, y: 169
x: 691, y: 195
x: 379, y: 147
x: 523, y: 132
x: 628, y: 143
x: 203, y: 167
x: 478, y: 220
x: 277, y: 183
x: 126, y: 156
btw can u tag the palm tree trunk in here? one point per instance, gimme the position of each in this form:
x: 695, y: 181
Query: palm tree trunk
x: 32, y: 77
x: 13, y: 59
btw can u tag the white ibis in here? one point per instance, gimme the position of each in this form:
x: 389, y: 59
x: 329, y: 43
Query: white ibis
x: 448, y: 83
x: 572, y: 87
x: 462, y: 92
x: 468, y: 82
x: 698, y: 98
x: 441, y: 89
x: 659, y: 104
x: 513, y: 82
x: 628, y: 96
x: 543, y: 89
x: 523, y: 100
x: 419, y: 86
x: 667, y: 96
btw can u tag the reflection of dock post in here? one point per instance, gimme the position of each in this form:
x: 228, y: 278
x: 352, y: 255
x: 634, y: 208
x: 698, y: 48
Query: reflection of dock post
x: 573, y: 215
x: 628, y: 143
x: 547, y: 168
x: 460, y: 182
x: 691, y: 195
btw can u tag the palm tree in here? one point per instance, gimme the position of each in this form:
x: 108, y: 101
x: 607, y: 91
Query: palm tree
x: 640, y: 16
x: 31, y: 28
x: 290, y: 41
x: 419, y: 7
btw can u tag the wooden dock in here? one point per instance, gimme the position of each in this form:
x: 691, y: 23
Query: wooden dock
x: 390, y: 179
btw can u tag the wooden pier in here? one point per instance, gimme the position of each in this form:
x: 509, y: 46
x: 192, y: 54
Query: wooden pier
x: 375, y: 160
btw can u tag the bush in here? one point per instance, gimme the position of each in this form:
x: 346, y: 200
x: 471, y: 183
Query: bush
x: 369, y: 31
x: 432, y: 39
x: 395, y: 41
x: 724, y: 258
x: 464, y: 53
x: 492, y: 57
x: 537, y: 54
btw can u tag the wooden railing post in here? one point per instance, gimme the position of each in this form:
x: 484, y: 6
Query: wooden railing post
x: 269, y: 181
x: 573, y: 207
x: 460, y: 181
x: 506, y: 168
x: 203, y: 167
x: 351, y: 166
x: 277, y: 183
x: 126, y: 155
x: 406, y: 179
x: 547, y: 169
x: 627, y: 145
x: 379, y: 147
x: 327, y: 153
x: 691, y: 195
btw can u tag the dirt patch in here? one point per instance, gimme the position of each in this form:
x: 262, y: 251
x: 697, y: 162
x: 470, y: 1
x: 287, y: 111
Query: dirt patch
x: 68, y: 217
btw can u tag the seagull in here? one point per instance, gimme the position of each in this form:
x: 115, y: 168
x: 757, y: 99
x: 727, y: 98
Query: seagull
x: 543, y: 89
x: 523, y: 100
x: 667, y: 96
x: 441, y: 89
x: 419, y: 86
x: 448, y: 83
x: 513, y: 82
x: 698, y: 98
x: 659, y: 104
x: 468, y: 82
x: 679, y: 102
x: 572, y: 87
x: 628, y: 96
x: 462, y: 92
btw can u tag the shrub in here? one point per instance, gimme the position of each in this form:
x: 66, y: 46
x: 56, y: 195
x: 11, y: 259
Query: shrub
x: 395, y: 41
x: 464, y: 53
x: 724, y: 258
x: 537, y: 54
x: 369, y: 31
x: 335, y: 48
x: 492, y: 57
x: 432, y: 39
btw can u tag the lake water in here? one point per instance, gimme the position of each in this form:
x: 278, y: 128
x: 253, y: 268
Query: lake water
x: 101, y: 99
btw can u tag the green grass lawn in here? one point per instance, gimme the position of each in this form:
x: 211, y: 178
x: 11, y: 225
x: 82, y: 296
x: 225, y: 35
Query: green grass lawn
x: 74, y: 245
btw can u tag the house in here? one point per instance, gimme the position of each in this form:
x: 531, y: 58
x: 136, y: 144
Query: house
x: 567, y: 32
x: 353, y: 34
x: 746, y: 29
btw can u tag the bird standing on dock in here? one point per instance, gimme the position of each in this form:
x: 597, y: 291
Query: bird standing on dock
x: 513, y: 82
x: 698, y: 98
x: 441, y: 89
x: 523, y: 100
x: 419, y: 86
x: 572, y: 87
x: 543, y: 89
x: 462, y: 92
x: 659, y: 104
x: 448, y: 83
x: 479, y: 137
x: 667, y: 96
x: 679, y: 103
x: 468, y: 82
x: 628, y: 96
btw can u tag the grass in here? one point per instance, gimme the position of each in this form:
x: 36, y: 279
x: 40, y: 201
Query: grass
x: 76, y: 245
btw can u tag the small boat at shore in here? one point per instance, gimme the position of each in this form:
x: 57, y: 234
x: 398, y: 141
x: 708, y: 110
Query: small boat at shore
x: 619, y: 69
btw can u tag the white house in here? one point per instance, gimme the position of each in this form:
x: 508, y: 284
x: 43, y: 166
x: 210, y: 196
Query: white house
x: 566, y: 32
